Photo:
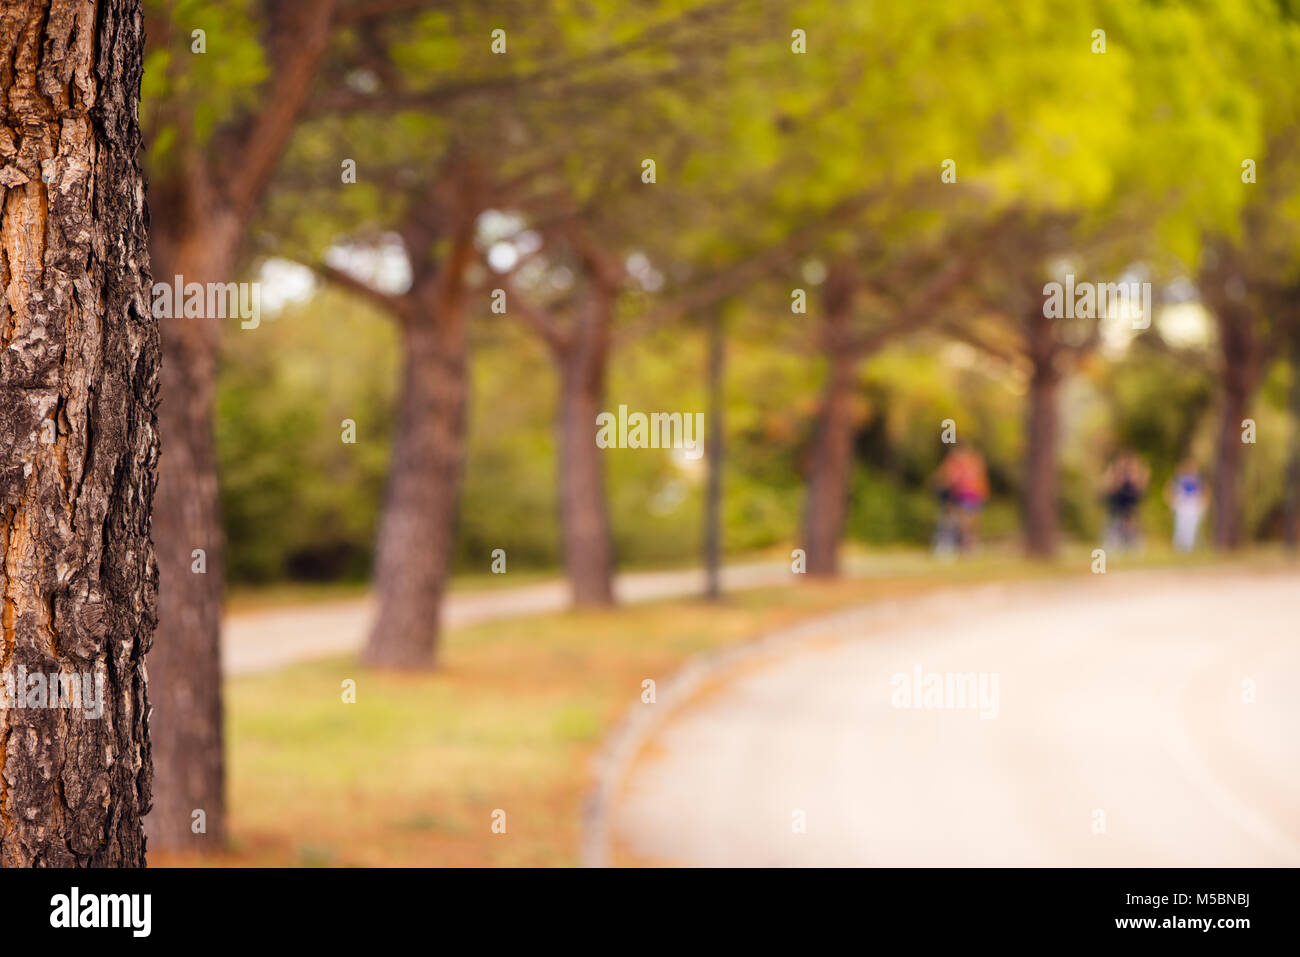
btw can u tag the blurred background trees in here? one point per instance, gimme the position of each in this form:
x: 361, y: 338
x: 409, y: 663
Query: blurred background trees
x: 916, y: 175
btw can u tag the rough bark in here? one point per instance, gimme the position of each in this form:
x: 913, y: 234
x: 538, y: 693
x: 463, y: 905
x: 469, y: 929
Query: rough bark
x: 713, y: 489
x: 832, y: 455
x: 586, y: 539
x: 79, y: 360
x: 417, y: 529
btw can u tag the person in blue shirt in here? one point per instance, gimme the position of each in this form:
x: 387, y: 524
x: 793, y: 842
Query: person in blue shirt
x: 1188, y: 498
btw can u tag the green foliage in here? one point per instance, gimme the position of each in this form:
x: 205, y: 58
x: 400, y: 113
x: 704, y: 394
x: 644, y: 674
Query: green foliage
x: 187, y: 94
x: 753, y: 142
x: 296, y: 501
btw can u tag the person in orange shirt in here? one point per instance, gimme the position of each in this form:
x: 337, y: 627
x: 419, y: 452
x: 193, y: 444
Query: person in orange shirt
x: 964, y: 489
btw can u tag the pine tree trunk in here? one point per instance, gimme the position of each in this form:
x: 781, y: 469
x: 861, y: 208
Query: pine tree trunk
x: 584, y: 510
x: 1234, y: 402
x: 184, y: 664
x: 199, y: 220
x: 1291, y: 518
x: 1222, y: 282
x: 79, y: 366
x: 832, y: 469
x: 417, y: 529
x: 1238, y: 379
x: 713, y: 492
x: 832, y: 453
x: 1042, y: 438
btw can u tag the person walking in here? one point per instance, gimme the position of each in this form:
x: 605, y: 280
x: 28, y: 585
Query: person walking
x: 1188, y: 498
x: 1124, y: 486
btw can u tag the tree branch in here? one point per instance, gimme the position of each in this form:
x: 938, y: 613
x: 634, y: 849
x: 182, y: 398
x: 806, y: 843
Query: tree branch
x: 731, y: 279
x: 391, y: 305
x: 364, y: 10
x: 389, y: 100
x: 540, y: 320
x: 299, y: 40
x: 983, y: 343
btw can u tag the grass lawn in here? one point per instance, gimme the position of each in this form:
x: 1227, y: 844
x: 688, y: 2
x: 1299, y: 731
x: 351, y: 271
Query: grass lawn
x: 411, y: 773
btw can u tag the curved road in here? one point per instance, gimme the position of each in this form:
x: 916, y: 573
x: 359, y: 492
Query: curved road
x: 1121, y: 737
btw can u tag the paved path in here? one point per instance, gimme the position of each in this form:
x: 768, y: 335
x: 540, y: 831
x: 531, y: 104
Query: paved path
x: 1120, y: 695
x: 267, y: 639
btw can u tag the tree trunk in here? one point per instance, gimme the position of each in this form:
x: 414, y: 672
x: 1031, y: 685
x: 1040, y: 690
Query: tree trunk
x: 584, y: 509
x: 1042, y: 437
x: 79, y: 361
x: 1234, y: 402
x: 417, y: 529
x: 186, y: 723
x: 1291, y: 521
x: 832, y: 455
x: 832, y: 469
x: 713, y: 492
x: 1238, y: 377
x: 1223, y: 283
x: 200, y: 217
